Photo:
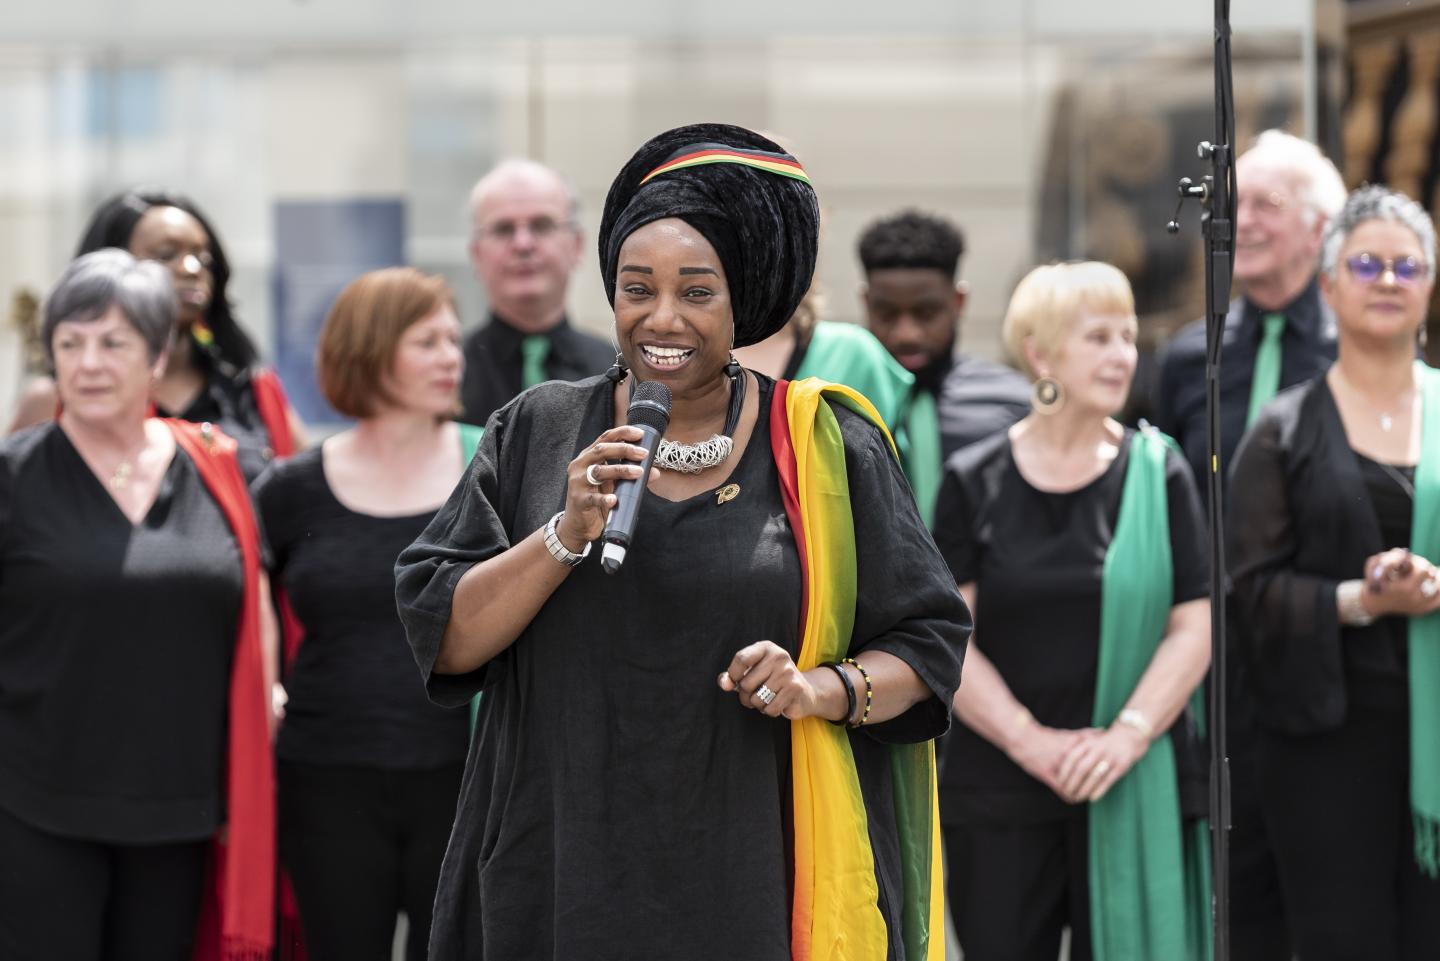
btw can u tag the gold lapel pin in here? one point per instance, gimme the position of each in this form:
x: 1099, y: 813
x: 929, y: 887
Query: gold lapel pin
x: 727, y: 493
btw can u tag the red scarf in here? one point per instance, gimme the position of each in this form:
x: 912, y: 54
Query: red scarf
x: 237, y: 917
x: 274, y: 408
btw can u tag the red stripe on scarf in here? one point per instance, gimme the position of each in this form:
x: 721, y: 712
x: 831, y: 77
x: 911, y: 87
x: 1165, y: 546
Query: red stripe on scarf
x: 274, y: 409
x: 784, y: 452
x: 237, y: 923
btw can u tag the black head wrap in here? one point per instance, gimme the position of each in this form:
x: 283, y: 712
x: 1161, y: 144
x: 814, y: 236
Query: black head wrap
x: 765, y: 226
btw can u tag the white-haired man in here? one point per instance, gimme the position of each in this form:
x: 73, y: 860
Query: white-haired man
x: 524, y: 245
x: 1279, y: 332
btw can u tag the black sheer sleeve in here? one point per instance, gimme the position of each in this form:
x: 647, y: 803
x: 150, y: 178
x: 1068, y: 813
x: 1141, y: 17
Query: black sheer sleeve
x: 465, y: 531
x: 955, y: 522
x: 6, y: 495
x: 272, y: 495
x: 1190, y: 558
x: 1290, y: 629
x: 906, y: 601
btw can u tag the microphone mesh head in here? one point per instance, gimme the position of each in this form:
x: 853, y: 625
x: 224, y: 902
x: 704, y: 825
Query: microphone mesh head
x: 650, y: 405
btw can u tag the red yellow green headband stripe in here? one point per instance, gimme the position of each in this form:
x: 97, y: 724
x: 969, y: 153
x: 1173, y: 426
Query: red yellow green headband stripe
x: 699, y: 154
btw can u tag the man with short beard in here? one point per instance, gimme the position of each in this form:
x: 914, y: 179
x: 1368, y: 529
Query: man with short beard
x: 913, y: 300
x: 1278, y: 333
x: 524, y: 245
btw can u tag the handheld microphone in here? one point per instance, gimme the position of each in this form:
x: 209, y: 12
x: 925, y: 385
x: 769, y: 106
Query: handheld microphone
x: 649, y: 411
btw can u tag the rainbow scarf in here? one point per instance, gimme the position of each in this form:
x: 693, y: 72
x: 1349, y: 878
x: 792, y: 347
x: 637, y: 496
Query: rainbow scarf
x: 836, y: 914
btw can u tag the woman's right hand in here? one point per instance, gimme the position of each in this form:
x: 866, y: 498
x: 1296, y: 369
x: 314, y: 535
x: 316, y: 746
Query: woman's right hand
x: 1399, y: 582
x: 586, y: 504
x: 1039, y: 750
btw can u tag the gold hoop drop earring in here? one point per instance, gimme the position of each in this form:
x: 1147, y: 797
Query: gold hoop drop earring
x: 1047, y: 396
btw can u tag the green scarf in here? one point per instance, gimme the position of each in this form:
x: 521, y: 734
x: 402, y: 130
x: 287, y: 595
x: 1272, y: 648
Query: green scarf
x: 849, y: 354
x: 470, y: 437
x: 1149, y: 883
x: 1424, y: 637
x: 919, y: 443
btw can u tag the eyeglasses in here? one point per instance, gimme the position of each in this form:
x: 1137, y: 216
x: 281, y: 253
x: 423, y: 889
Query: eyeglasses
x: 505, y: 231
x: 1270, y: 204
x: 1367, y: 268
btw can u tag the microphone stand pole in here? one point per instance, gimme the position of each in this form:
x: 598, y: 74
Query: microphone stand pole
x: 1216, y: 194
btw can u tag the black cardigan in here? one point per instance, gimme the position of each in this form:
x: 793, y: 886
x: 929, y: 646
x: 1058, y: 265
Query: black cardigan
x: 1300, y: 522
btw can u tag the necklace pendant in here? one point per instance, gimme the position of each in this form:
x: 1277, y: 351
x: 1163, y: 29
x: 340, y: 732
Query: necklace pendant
x: 727, y: 493
x: 1386, y: 422
x: 121, y: 476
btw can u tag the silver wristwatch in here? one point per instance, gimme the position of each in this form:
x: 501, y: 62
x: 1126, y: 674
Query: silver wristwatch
x: 557, y: 549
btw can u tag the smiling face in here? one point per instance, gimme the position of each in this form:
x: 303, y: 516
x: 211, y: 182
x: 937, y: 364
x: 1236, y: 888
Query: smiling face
x: 174, y: 238
x: 103, y: 368
x: 673, y: 315
x: 1277, y: 238
x: 1094, y: 361
x: 424, y: 374
x: 1385, y: 309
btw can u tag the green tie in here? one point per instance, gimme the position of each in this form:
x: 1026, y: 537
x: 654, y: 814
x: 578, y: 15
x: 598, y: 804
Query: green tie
x: 534, y: 349
x: 920, y: 453
x: 1266, y: 380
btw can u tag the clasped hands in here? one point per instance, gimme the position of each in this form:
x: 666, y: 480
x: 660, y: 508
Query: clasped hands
x: 1079, y: 765
x: 1400, y: 582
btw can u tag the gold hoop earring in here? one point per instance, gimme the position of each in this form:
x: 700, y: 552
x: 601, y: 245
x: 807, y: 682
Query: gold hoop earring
x: 1047, y: 396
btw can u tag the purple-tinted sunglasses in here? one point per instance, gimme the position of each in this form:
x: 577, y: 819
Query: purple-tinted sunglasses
x: 1368, y: 268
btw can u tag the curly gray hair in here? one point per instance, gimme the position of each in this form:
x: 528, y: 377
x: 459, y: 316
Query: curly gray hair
x: 1375, y: 202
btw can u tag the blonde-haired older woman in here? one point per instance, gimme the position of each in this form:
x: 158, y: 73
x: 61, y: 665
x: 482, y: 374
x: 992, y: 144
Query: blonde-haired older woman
x: 1077, y: 543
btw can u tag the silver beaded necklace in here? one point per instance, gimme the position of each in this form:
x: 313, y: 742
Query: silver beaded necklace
x: 714, y: 450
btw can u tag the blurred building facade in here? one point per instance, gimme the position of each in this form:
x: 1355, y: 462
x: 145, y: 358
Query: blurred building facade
x: 325, y: 137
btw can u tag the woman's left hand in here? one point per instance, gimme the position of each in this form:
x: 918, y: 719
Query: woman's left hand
x: 766, y: 668
x: 1098, y: 760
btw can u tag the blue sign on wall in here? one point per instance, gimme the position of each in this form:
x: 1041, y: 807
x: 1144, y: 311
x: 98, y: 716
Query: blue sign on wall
x: 320, y: 246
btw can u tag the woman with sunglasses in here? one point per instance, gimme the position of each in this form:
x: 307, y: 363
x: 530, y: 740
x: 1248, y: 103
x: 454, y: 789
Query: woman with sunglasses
x: 1334, y: 539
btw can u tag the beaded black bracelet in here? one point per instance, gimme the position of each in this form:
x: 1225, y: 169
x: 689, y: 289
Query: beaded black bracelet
x: 869, y: 690
x: 849, y: 693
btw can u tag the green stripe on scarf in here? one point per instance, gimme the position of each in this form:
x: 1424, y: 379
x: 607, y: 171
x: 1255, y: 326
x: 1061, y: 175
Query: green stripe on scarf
x: 912, y: 776
x: 1424, y: 637
x: 470, y: 437
x: 1149, y: 899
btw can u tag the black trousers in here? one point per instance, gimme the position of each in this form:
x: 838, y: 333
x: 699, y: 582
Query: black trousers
x: 1013, y: 889
x: 362, y: 844
x: 1258, y: 931
x: 1337, y: 807
x: 63, y: 899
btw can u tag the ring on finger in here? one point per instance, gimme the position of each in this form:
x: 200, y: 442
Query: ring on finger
x: 1103, y: 768
x: 765, y: 694
x: 1428, y: 587
x: 590, y: 475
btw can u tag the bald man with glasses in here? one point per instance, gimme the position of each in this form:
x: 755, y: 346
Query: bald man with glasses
x: 524, y: 245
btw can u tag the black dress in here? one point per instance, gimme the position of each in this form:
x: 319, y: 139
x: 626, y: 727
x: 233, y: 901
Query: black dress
x: 369, y: 769
x: 354, y: 695
x: 1017, y: 854
x: 1036, y: 558
x: 116, y: 643
x: 617, y: 803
